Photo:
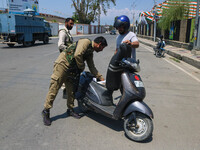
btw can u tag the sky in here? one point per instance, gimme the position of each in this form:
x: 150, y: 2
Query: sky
x: 64, y: 8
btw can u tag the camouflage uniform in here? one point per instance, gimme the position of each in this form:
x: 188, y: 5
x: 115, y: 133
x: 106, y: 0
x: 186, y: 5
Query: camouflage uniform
x: 65, y: 39
x: 70, y: 59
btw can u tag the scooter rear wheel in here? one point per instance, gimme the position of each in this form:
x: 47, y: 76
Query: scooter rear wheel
x: 141, y: 131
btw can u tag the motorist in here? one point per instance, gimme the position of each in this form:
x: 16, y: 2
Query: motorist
x: 67, y: 69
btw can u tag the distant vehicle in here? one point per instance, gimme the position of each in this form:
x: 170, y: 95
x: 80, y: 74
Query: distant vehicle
x: 159, y: 48
x: 23, y: 29
x: 112, y: 32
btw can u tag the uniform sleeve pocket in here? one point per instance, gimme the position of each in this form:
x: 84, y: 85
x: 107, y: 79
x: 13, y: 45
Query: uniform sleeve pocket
x: 59, y: 61
x: 54, y: 77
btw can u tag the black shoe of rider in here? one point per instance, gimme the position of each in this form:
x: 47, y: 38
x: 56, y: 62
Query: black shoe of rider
x: 45, y: 116
x: 71, y: 112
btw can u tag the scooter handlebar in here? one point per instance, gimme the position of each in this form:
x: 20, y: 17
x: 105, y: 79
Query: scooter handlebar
x: 130, y: 63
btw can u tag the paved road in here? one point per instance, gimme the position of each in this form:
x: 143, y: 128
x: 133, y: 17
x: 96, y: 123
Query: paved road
x: 173, y: 93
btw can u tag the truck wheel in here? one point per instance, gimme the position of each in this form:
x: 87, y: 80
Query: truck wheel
x: 33, y: 42
x: 46, y: 39
x: 11, y: 45
x: 26, y: 44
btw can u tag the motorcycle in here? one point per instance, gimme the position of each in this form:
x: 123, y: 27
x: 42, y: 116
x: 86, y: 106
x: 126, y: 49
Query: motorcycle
x: 121, y: 74
x: 159, y: 49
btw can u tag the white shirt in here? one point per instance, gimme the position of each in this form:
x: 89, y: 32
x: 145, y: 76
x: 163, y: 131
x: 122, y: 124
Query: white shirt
x: 63, y: 38
x: 128, y: 36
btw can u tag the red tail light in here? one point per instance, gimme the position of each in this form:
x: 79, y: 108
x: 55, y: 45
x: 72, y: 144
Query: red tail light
x: 137, y: 78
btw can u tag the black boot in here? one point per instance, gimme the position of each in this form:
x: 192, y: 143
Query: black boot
x: 71, y: 112
x: 46, y: 119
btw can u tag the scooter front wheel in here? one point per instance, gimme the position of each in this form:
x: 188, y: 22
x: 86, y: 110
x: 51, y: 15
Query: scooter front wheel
x: 140, y: 131
x: 158, y: 53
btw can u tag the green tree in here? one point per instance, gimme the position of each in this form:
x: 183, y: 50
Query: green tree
x: 54, y: 21
x: 75, y: 17
x: 116, y: 18
x: 87, y: 11
x: 101, y: 6
x: 177, y: 11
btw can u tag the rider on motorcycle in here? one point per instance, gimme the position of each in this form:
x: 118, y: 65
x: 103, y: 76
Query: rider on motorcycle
x: 158, y: 50
x: 161, y: 43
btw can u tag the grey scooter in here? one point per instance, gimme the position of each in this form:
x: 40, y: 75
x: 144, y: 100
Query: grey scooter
x: 121, y: 74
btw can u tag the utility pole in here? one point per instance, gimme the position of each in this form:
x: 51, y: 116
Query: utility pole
x: 99, y: 16
x: 196, y: 32
x: 133, y: 7
x: 154, y: 38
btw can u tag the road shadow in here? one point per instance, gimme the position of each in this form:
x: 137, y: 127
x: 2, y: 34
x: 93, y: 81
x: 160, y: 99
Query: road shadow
x: 150, y: 139
x: 116, y: 125
x: 21, y: 46
x: 64, y: 115
x: 61, y: 116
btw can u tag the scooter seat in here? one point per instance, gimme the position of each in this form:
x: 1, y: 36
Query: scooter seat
x: 114, y: 71
x: 104, y: 96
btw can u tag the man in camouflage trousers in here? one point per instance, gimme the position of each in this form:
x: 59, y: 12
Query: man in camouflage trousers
x: 68, y: 65
x: 65, y: 39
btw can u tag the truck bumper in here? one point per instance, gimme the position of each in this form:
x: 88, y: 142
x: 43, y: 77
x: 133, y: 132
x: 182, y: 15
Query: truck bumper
x: 5, y: 39
x: 8, y: 42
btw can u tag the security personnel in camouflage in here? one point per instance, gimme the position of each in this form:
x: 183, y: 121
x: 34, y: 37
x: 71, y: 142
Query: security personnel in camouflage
x: 69, y: 65
x: 65, y: 38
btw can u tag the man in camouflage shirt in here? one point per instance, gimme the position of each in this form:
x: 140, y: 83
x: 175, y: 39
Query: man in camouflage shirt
x: 68, y: 65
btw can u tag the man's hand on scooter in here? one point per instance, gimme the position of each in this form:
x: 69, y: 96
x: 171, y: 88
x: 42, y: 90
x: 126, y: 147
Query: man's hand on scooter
x: 134, y: 44
x: 127, y: 42
x: 100, y: 79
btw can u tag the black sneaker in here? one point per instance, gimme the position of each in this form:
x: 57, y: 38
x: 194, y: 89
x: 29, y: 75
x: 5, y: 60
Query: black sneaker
x: 71, y: 112
x: 46, y: 119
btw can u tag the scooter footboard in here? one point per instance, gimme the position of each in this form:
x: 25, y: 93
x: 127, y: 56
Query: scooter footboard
x: 138, y: 106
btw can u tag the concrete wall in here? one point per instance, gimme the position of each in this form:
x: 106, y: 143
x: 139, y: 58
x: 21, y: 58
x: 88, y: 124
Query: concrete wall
x: 54, y: 29
x: 84, y: 29
x: 92, y: 29
x: 87, y: 29
x: 183, y: 27
x: 61, y: 26
x: 152, y: 30
x: 79, y: 29
x: 181, y: 33
x: 73, y: 31
x: 97, y: 29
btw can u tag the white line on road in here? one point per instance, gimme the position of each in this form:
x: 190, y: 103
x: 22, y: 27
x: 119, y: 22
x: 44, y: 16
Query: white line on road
x: 183, y: 70
x: 174, y: 65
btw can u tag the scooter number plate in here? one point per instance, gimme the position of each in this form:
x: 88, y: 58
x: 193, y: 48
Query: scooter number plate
x: 139, y: 84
